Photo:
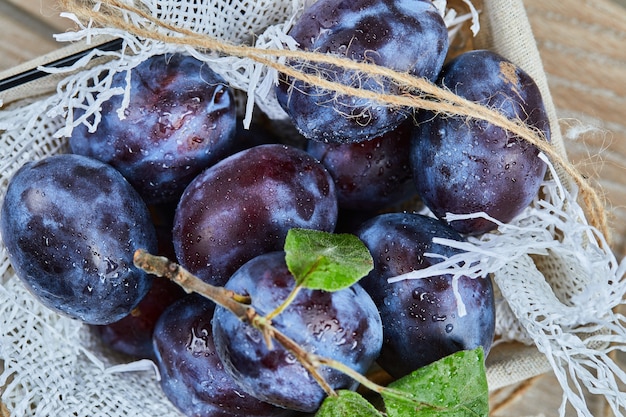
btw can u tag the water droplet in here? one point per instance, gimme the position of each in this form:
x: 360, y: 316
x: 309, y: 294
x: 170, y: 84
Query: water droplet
x: 253, y: 334
x: 197, y: 345
x: 449, y: 328
x: 110, y: 265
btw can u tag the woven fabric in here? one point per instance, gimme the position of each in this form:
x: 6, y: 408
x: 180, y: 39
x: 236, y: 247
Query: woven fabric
x: 557, y: 286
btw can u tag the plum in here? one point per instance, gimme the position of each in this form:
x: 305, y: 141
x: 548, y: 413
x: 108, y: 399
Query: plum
x: 181, y: 119
x: 465, y: 166
x: 421, y: 319
x: 244, y: 205
x: 71, y: 225
x: 404, y: 35
x: 343, y: 325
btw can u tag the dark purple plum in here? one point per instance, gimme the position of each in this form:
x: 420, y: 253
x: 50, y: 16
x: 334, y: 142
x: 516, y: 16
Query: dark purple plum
x: 71, y: 225
x: 342, y: 325
x: 372, y: 174
x: 132, y: 335
x: 420, y: 317
x: 192, y: 375
x: 407, y: 36
x: 180, y: 120
x: 244, y: 205
x: 465, y: 166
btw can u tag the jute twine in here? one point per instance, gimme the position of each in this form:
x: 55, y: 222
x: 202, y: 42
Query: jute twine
x: 417, y: 93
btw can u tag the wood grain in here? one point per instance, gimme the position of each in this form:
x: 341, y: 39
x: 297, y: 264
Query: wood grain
x: 23, y: 36
x: 46, y: 12
x: 582, y: 45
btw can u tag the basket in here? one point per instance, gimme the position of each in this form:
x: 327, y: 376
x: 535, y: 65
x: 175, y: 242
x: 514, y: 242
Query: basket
x: 556, y: 296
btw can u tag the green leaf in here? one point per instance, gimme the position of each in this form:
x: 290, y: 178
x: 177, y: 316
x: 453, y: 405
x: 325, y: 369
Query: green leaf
x: 347, y: 404
x: 455, y: 386
x: 326, y: 261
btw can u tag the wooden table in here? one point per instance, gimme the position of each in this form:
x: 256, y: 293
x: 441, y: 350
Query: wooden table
x: 583, y: 47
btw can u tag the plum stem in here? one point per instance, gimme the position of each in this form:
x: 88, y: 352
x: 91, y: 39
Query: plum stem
x: 292, y: 295
x: 163, y: 267
x: 309, y: 360
x: 301, y: 280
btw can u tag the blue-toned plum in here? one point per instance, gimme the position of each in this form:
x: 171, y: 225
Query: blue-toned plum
x: 244, y: 205
x: 407, y: 36
x: 192, y: 375
x: 71, y: 225
x: 463, y: 166
x: 369, y: 175
x: 180, y: 120
x: 343, y: 325
x: 421, y: 319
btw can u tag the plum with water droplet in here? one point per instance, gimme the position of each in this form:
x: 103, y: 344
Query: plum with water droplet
x: 71, y: 225
x: 132, y: 335
x: 408, y: 36
x: 369, y: 175
x: 244, y: 205
x: 192, y: 375
x: 181, y: 119
x: 465, y: 166
x: 343, y: 325
x: 421, y: 317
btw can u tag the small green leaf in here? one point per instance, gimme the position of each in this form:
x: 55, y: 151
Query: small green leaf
x: 455, y: 386
x: 347, y: 404
x: 326, y: 261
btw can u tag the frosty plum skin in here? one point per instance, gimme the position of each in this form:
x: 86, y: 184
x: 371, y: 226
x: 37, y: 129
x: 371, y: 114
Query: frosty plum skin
x: 71, y: 225
x: 244, y: 205
x: 465, y: 166
x: 180, y: 120
x: 407, y: 35
x: 420, y: 317
x: 342, y: 325
x: 372, y: 174
x: 193, y: 377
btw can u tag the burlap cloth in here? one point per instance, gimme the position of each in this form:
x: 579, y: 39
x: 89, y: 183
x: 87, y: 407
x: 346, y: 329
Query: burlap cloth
x: 50, y: 365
